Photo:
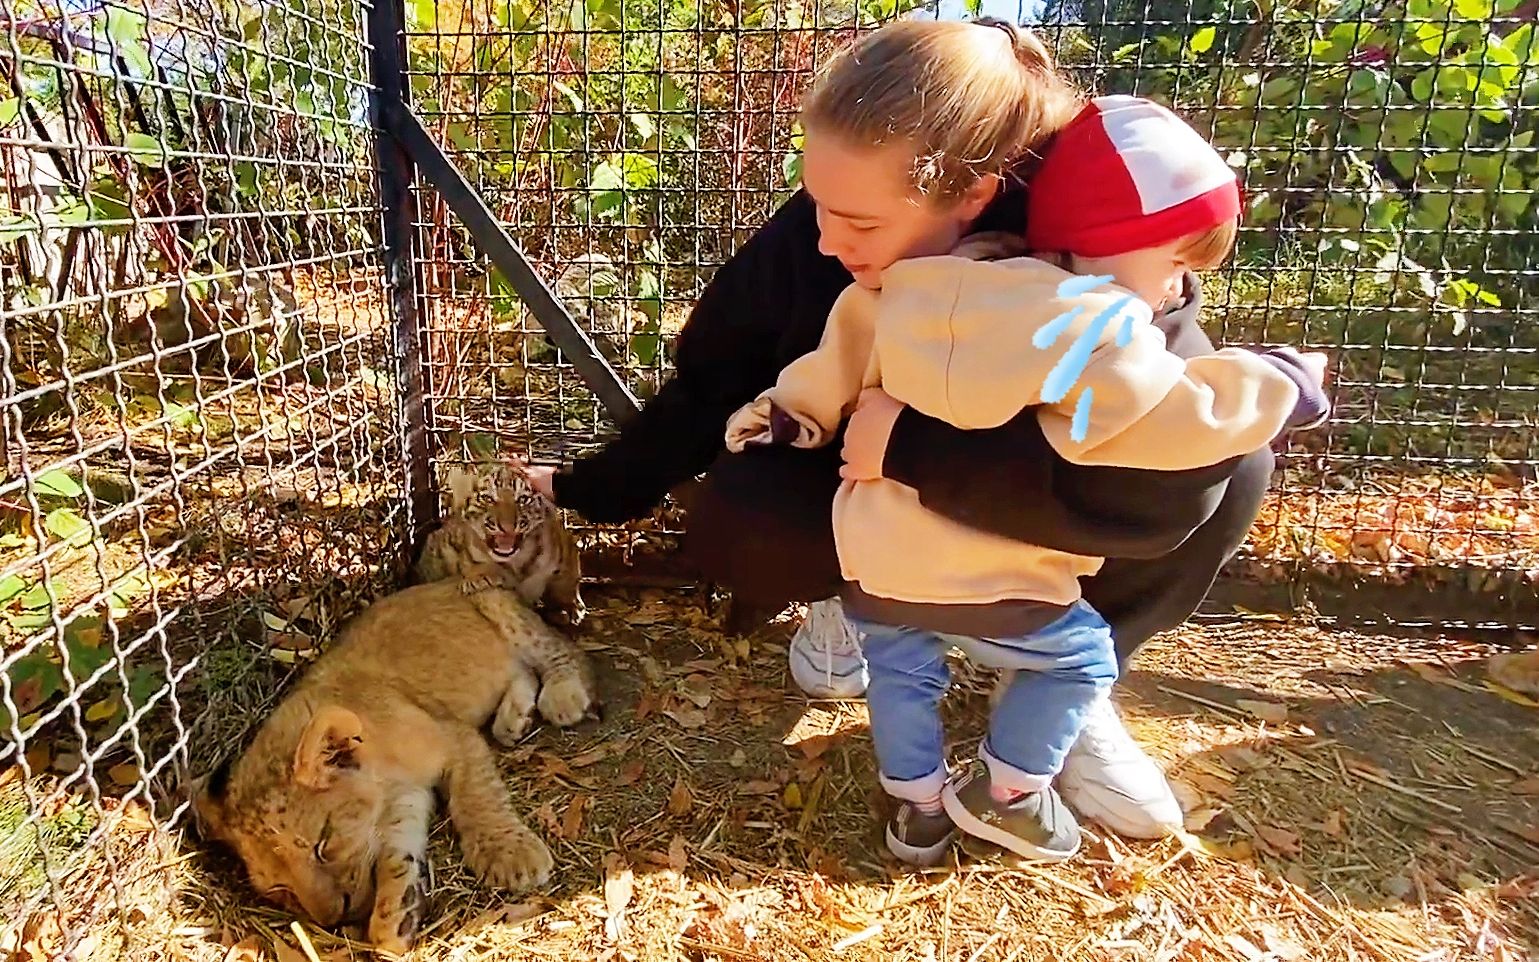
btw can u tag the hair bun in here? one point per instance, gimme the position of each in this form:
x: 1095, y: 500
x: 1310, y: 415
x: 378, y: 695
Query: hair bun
x: 1000, y: 23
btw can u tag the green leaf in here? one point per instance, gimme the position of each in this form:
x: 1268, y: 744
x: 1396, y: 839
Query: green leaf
x: 66, y: 525
x: 9, y: 110
x: 144, y: 148
x: 1202, y: 40
x: 16, y: 226
x: 58, y: 484
x: 10, y: 587
x: 36, y: 598
x: 791, y: 167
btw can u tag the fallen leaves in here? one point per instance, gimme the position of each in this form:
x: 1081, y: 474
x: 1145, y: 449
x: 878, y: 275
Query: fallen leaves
x: 680, y: 800
x: 571, y: 822
x: 1269, y: 712
x: 1279, y: 841
x: 619, y: 887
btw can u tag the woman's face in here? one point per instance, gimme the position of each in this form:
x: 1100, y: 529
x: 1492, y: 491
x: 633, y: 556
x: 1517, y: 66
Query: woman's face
x: 869, y: 213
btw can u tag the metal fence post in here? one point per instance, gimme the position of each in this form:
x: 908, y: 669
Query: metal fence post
x: 397, y: 173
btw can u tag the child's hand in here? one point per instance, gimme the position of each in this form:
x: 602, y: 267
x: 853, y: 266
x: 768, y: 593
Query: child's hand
x: 750, y: 425
x: 1316, y: 362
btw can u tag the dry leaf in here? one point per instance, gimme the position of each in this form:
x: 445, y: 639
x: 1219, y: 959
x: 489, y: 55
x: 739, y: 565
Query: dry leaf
x: 1528, y: 832
x: 738, y: 759
x: 619, y: 885
x: 1210, y: 784
x: 1198, y: 818
x: 136, y: 818
x: 759, y: 787
x: 248, y: 949
x: 681, y: 799
x: 1516, y: 671
x: 1279, y: 840
x: 1528, y: 786
x: 553, y: 767
x: 678, y: 854
x: 287, y: 953
x: 515, y: 914
x: 125, y: 775
x: 631, y: 772
x: 792, y: 798
x: 687, y: 717
x: 814, y: 746
x: 697, y: 689
x: 40, y: 938
x: 1267, y: 711
x: 1507, y: 694
x: 1332, y: 824
x: 571, y: 822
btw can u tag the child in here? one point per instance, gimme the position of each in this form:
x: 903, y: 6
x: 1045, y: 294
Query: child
x: 962, y: 340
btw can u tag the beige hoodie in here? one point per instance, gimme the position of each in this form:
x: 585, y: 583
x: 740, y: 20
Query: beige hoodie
x: 952, y: 338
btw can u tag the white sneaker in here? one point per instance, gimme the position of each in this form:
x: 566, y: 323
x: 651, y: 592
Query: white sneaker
x: 1107, y: 778
x: 825, y: 654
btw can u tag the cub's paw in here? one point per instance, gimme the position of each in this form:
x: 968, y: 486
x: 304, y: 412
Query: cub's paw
x: 515, y: 711
x: 393, y: 927
x: 570, y: 616
x: 566, y: 702
x: 512, y: 860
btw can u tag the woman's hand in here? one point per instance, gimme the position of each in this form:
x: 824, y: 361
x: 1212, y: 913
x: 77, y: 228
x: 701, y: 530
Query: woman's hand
x: 867, y: 434
x: 542, y: 479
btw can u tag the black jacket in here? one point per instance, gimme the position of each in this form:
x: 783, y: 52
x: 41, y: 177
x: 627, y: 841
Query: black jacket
x: 768, y: 306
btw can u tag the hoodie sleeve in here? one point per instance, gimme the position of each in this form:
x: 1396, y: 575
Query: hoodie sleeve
x: 819, y: 389
x: 1009, y: 481
x: 975, y: 342
x: 1139, y: 406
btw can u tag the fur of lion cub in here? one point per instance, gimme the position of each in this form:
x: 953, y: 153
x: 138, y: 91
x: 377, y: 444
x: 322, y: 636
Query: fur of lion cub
x: 329, y: 807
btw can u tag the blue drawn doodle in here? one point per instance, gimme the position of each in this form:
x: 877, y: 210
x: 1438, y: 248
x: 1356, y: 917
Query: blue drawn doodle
x: 1062, y: 378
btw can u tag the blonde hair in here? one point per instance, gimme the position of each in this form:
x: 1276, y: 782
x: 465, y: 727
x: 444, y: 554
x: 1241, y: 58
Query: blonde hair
x: 1207, y: 250
x: 972, y: 99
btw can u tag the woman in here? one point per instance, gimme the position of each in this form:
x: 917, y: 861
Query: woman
x: 759, y: 523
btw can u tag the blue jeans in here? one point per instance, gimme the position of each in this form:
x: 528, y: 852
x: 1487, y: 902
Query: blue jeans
x: 1061, y: 670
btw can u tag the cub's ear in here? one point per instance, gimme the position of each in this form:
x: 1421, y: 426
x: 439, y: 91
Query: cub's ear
x: 207, y: 795
x: 331, y: 743
x: 461, y: 485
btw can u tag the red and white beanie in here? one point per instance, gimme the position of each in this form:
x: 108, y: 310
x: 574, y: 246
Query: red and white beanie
x: 1124, y: 175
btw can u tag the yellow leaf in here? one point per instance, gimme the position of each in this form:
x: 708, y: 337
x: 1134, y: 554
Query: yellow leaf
x: 793, y: 796
x: 104, y: 710
x: 1502, y: 691
x: 125, y: 774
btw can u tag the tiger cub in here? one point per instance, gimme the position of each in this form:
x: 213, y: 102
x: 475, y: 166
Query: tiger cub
x: 498, y: 524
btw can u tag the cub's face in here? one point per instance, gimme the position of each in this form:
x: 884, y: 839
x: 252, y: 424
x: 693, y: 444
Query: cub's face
x: 497, y: 509
x: 305, y: 822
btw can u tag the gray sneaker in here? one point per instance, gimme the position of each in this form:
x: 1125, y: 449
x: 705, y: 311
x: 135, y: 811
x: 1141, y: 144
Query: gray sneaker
x: 917, y: 838
x: 1035, y: 826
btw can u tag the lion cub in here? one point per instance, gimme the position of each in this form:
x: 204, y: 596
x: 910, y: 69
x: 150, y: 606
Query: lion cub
x: 329, y: 807
x: 499, y: 523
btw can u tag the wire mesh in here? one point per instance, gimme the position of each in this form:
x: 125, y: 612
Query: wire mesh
x: 1389, y: 170
x: 202, y: 467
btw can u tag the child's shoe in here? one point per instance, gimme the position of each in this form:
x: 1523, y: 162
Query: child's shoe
x: 1035, y: 826
x: 918, y: 838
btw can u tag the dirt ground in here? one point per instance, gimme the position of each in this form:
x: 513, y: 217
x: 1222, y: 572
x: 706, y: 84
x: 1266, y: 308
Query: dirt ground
x: 1349, y: 797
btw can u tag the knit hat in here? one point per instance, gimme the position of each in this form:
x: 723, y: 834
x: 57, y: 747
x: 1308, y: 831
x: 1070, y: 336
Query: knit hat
x: 1124, y: 175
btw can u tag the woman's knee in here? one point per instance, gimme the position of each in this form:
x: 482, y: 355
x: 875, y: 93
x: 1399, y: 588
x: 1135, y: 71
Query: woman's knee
x: 760, y: 524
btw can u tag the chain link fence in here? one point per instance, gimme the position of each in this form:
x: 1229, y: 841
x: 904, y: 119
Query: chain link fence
x: 208, y: 391
x: 202, y: 462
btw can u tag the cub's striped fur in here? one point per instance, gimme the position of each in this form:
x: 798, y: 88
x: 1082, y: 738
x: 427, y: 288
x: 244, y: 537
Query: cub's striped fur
x: 499, y: 524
